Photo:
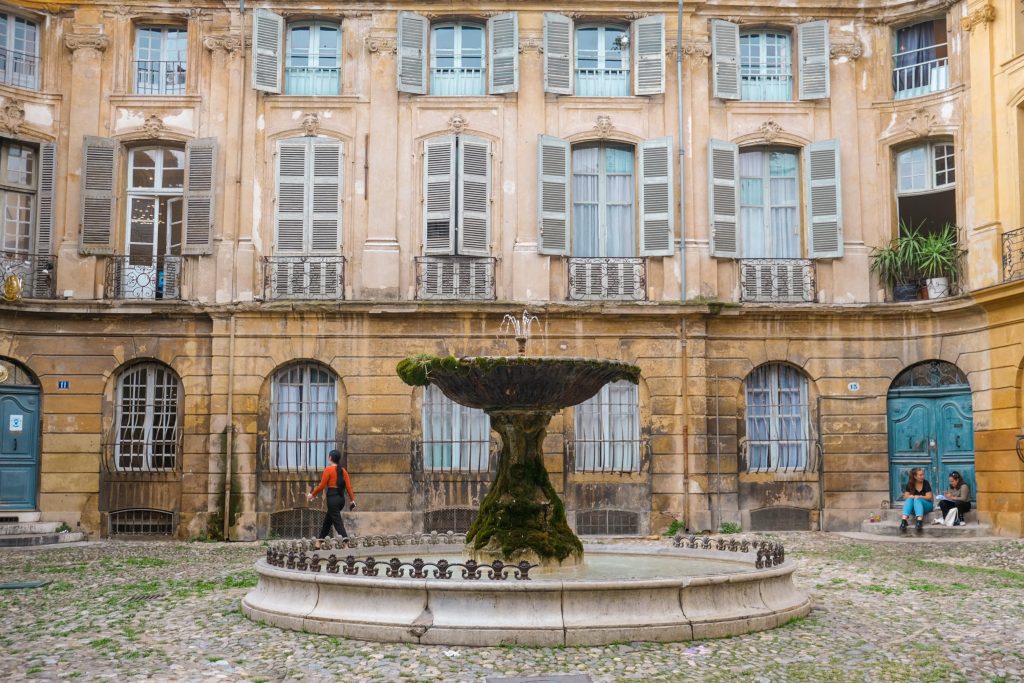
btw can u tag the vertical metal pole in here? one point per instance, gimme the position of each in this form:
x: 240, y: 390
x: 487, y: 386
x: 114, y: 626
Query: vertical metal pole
x: 682, y: 151
x: 231, y: 427
x: 718, y: 455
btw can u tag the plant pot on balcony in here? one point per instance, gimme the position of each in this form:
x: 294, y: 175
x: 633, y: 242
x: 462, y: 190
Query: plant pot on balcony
x: 938, y: 287
x: 906, y: 291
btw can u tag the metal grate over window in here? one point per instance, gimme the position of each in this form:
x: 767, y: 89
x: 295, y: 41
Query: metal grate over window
x: 148, y: 425
x: 778, y: 420
x: 449, y: 519
x: 141, y: 522
x: 303, y: 418
x: 296, y: 523
x: 935, y: 373
x: 607, y: 523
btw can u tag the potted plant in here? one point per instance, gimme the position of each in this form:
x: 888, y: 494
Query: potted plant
x: 939, y: 260
x: 897, y: 263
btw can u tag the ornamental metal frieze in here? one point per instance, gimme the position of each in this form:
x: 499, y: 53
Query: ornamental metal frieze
x: 470, y: 570
x: 433, y: 538
x: 769, y: 553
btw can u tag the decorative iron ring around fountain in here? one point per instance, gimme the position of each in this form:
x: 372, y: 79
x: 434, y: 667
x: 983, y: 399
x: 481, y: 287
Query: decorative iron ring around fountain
x: 396, y: 568
x: 769, y: 553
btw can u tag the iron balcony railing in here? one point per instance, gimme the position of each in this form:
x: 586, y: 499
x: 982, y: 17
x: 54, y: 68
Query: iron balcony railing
x: 19, y: 69
x: 312, y: 80
x: 777, y: 454
x: 304, y: 277
x: 459, y: 278
x: 602, y: 82
x: 919, y: 72
x: 36, y: 273
x: 608, y: 279
x: 1013, y: 255
x: 457, y: 81
x: 777, y: 280
x: 454, y: 456
x: 160, y: 78
x: 297, y: 455
x: 143, y: 277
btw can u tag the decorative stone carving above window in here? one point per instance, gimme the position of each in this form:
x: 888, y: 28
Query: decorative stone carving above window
x: 982, y: 15
x: 850, y: 48
x: 458, y: 123
x: 920, y: 123
x: 531, y: 44
x: 12, y: 115
x: 311, y: 124
x: 197, y: 13
x: 154, y: 126
x: 770, y: 131
x: 604, y: 126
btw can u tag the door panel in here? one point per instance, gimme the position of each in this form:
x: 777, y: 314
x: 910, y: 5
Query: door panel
x: 955, y: 436
x: 910, y: 424
x: 19, y: 453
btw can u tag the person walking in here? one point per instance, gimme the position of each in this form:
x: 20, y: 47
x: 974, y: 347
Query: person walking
x: 958, y: 498
x: 334, y: 474
x: 918, y: 495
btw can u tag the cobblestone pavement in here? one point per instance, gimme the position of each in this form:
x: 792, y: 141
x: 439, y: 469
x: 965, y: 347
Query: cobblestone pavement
x: 131, y: 611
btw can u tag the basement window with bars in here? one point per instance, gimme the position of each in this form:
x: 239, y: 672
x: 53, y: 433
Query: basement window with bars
x: 296, y: 523
x: 455, y: 438
x: 303, y: 417
x: 141, y: 522
x: 148, y: 420
x: 607, y: 523
x: 449, y: 519
x: 607, y: 429
x: 778, y: 419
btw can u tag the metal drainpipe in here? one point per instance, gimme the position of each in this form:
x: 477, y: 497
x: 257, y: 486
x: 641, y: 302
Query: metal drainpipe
x: 821, y: 453
x: 682, y: 151
x: 231, y: 427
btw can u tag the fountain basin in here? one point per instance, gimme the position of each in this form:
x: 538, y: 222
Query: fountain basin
x: 690, y: 594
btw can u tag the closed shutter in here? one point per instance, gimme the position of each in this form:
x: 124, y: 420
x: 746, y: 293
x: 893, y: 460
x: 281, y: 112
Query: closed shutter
x: 723, y: 163
x: 552, y: 196
x: 656, y: 206
x: 474, y: 180
x: 503, y: 38
x: 327, y: 182
x: 412, y: 52
x: 649, y: 55
x: 812, y: 46
x: 439, y: 195
x: 99, y: 164
x: 291, y: 196
x: 42, y: 278
x: 267, y: 48
x: 200, y: 171
x: 824, y: 200
x: 557, y: 54
x: 725, y: 57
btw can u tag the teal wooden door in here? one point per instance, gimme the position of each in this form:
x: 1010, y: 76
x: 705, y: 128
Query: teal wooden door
x: 932, y: 430
x: 19, y: 448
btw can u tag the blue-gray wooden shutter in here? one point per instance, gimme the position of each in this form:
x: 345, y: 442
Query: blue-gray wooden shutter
x: 725, y: 59
x: 824, y: 200
x: 439, y: 195
x: 326, y: 176
x: 657, y: 208
x: 723, y: 200
x: 292, y: 193
x: 99, y: 169
x: 558, y: 57
x: 42, y: 277
x: 413, y: 31
x: 474, y: 196
x: 200, y: 179
x: 649, y: 55
x: 552, y: 196
x: 267, y: 49
x: 813, y: 48
x: 503, y: 42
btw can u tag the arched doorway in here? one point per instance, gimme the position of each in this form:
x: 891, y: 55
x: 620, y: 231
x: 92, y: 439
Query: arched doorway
x: 19, y: 437
x: 931, y: 425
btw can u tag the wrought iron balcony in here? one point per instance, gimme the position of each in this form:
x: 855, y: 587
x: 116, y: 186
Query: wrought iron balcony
x: 160, y: 78
x: 143, y: 277
x: 37, y: 273
x: 608, y: 278
x: 920, y: 72
x: 777, y: 280
x: 19, y: 69
x: 1013, y: 255
x: 304, y: 277
x: 459, y: 278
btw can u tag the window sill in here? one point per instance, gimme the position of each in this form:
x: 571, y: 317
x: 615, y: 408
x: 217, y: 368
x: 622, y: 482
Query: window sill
x: 304, y: 100
x: 186, y: 100
x: 920, y: 100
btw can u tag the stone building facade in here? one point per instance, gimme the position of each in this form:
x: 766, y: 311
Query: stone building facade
x: 225, y: 225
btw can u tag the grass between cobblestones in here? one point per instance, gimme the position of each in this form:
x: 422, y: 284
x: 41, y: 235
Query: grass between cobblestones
x: 170, y: 612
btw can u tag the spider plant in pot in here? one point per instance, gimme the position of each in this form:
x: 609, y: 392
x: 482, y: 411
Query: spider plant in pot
x: 938, y: 259
x: 897, y: 263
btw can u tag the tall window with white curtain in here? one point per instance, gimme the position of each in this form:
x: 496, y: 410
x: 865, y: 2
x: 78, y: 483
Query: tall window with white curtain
x: 303, y: 417
x: 778, y: 420
x: 608, y: 430
x: 148, y: 421
x: 454, y: 437
x: 603, y: 195
x: 769, y: 204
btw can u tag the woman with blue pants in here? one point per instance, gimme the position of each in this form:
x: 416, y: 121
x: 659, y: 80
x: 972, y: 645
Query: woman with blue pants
x: 918, y: 495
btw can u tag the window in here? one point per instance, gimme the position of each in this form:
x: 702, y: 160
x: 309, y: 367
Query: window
x: 457, y: 59
x: 313, y: 63
x: 778, y: 423
x: 608, y: 430
x: 602, y: 61
x: 766, y: 67
x: 148, y: 420
x: 457, y: 193
x: 454, y: 437
x: 926, y: 186
x: 160, y: 60
x: 18, y: 177
x: 602, y: 201
x: 156, y: 181
x: 19, y: 52
x: 309, y: 195
x: 769, y: 204
x: 303, y: 417
x: 920, y: 60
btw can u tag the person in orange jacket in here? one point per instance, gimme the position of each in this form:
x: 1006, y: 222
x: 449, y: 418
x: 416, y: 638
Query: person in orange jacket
x: 330, y: 482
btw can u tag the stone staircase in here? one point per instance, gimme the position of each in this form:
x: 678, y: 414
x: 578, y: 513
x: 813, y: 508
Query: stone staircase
x: 27, y: 534
x: 890, y: 526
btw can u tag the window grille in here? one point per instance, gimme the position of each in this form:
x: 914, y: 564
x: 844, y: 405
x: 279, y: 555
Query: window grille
x: 935, y: 373
x: 777, y: 280
x: 607, y: 523
x: 303, y: 418
x: 141, y: 522
x: 608, y: 430
x: 778, y: 433
x: 455, y: 438
x: 148, y: 421
x: 455, y: 277
x: 296, y: 523
x: 449, y: 519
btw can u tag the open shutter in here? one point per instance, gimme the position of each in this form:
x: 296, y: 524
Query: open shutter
x: 812, y: 46
x: 656, y: 206
x: 474, y: 216
x: 824, y: 200
x: 439, y: 195
x: 327, y: 176
x: 725, y: 57
x: 200, y: 171
x: 503, y: 39
x: 267, y: 48
x: 723, y: 165
x: 99, y: 164
x: 42, y: 277
x: 553, y: 196
x: 413, y: 30
x: 557, y: 54
x: 649, y: 55
x: 291, y: 196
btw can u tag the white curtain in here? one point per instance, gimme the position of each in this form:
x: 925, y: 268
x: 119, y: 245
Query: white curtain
x: 777, y: 418
x: 454, y: 437
x: 608, y: 430
x: 602, y: 200
x: 304, y: 417
x: 770, y: 225
x: 586, y: 201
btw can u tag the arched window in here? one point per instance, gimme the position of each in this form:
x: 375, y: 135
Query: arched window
x: 778, y: 419
x: 608, y: 430
x: 148, y: 419
x: 303, y: 417
x: 457, y: 59
x: 602, y: 61
x: 313, y: 63
x: 603, y: 200
x: 454, y: 437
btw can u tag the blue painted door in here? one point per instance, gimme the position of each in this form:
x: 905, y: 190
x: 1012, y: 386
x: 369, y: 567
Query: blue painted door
x: 934, y: 431
x: 19, y: 448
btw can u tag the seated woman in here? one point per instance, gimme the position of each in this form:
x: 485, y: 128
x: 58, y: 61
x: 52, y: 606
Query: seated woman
x: 958, y: 497
x: 918, y: 494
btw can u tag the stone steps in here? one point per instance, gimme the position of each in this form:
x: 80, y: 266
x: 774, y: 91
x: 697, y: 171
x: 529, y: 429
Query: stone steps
x: 890, y: 526
x: 25, y: 534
